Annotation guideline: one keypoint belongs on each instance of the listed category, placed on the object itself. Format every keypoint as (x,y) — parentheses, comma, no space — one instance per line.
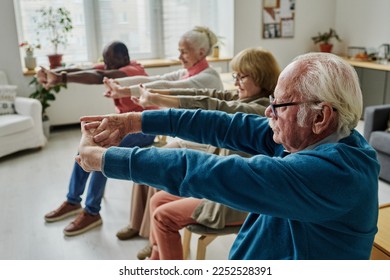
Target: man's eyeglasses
(239,77)
(274,106)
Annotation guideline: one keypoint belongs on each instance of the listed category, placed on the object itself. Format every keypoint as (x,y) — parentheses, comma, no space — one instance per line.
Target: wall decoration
(278,18)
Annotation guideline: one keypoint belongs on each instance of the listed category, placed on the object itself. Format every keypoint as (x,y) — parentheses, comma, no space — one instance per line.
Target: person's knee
(153,203)
(157,198)
(162,216)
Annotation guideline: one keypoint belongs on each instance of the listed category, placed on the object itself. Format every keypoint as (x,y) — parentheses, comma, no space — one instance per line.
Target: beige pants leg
(141,194)
(139,211)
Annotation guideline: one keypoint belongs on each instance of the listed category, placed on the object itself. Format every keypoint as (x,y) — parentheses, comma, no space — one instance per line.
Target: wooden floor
(34,182)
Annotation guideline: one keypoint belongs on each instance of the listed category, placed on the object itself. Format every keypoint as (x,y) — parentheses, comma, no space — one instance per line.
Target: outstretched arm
(93,76)
(209,127)
(151,98)
(49,78)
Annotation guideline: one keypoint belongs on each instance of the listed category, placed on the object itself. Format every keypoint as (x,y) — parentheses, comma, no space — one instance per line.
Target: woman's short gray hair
(328,78)
(201,37)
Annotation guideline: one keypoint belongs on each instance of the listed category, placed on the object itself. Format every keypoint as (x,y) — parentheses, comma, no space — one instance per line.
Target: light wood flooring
(34,182)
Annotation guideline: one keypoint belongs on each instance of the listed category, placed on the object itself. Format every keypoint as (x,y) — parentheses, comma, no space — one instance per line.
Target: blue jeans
(98,181)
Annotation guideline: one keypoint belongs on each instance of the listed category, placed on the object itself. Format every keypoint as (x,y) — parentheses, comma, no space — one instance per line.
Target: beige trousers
(139,211)
(141,194)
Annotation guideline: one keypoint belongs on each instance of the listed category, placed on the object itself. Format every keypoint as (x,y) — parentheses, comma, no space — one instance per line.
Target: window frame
(94,43)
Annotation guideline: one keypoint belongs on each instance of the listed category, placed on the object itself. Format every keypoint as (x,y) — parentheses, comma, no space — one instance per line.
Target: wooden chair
(207,235)
(381,247)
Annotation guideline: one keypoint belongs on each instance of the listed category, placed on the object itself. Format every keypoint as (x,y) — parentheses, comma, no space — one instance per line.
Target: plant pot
(30,62)
(55,60)
(326,47)
(46,128)
(216,52)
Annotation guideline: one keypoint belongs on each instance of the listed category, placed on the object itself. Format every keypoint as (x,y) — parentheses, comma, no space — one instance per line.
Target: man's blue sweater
(319,203)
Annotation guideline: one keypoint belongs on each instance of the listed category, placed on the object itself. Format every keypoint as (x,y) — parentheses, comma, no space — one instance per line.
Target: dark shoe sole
(87,228)
(64,216)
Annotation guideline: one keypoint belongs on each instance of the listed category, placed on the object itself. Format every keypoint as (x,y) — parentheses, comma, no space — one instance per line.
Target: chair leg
(186,243)
(203,241)
(160,141)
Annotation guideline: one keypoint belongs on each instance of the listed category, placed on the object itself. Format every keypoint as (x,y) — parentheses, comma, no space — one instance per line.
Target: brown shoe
(127,233)
(83,222)
(146,252)
(65,210)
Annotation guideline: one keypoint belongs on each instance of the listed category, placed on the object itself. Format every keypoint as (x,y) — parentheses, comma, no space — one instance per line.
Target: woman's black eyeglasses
(239,77)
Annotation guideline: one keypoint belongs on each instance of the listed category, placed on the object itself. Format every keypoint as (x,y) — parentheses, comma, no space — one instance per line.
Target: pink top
(197,68)
(125,104)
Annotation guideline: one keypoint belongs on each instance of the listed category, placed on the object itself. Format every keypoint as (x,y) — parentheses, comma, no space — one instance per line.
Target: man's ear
(324,119)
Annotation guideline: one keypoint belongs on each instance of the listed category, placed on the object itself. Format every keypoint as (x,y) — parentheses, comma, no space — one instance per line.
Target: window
(180,16)
(149,28)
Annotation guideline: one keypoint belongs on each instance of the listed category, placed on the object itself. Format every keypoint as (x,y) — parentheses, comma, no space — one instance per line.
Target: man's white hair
(329,78)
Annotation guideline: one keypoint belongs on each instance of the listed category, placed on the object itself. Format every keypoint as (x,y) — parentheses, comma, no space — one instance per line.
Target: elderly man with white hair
(311,187)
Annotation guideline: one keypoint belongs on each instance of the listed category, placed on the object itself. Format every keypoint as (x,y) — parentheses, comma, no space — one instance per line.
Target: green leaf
(43,95)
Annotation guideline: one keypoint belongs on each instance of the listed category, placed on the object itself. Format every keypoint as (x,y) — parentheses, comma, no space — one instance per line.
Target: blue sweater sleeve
(241,132)
(284,187)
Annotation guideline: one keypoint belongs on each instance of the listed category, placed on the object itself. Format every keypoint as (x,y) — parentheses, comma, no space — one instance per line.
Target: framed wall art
(278,18)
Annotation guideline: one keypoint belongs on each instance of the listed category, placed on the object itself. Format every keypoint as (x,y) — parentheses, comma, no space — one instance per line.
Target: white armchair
(22,130)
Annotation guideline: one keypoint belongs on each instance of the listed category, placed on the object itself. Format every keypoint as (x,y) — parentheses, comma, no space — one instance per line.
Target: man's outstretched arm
(49,78)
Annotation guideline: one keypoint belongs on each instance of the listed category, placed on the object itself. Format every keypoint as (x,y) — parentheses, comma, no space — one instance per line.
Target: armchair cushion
(375,119)
(380,141)
(22,130)
(376,123)
(14,123)
(388,125)
(7,99)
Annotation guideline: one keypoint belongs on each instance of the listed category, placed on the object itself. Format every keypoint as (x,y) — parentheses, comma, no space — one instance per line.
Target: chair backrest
(3,78)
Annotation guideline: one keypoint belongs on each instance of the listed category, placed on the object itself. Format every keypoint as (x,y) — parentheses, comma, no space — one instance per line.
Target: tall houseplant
(57,25)
(323,39)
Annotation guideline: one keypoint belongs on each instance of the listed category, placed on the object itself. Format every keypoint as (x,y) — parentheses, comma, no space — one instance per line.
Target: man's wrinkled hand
(109,130)
(90,154)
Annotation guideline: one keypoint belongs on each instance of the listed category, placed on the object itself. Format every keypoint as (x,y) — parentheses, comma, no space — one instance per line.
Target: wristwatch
(64,77)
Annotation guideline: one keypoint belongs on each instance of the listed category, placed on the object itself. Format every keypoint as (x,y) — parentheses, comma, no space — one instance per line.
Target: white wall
(358,22)
(363,22)
(311,16)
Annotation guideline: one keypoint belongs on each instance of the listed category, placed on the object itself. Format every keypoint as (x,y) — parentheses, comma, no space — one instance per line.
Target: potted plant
(45,96)
(216,47)
(324,40)
(29,58)
(57,25)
